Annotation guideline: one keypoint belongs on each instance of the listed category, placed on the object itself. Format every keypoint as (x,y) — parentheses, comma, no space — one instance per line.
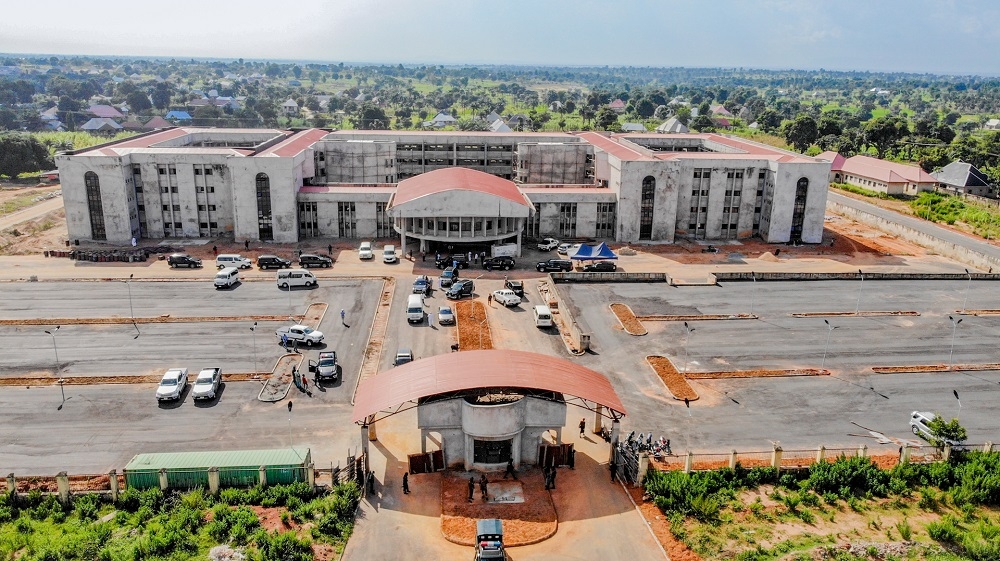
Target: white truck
(507,297)
(504,250)
(300,334)
(206,385)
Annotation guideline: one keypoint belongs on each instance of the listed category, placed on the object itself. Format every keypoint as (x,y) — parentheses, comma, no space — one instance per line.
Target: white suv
(365,251)
(920,425)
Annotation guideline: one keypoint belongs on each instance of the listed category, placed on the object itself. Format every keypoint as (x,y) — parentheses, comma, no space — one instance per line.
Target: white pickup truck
(300,333)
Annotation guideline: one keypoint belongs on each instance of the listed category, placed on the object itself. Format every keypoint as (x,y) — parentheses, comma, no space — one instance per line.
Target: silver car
(446,316)
(172,384)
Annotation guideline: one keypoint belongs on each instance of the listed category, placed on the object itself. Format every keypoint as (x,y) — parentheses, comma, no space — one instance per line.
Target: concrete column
(688,462)
(113,481)
(468,452)
(598,419)
(643,468)
(62,485)
(262,476)
(11,484)
(732,460)
(519,238)
(947,452)
(559,435)
(615,435)
(372,436)
(164,483)
(821,454)
(213,481)
(402,242)
(423,441)
(311,475)
(905,456)
(776,458)
(863,451)
(516,450)
(364,439)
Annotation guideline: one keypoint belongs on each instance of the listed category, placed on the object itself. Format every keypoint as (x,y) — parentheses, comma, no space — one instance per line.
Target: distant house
(618,106)
(963,177)
(54,125)
(442,120)
(556,106)
(50,114)
(290,107)
(178,116)
(723,123)
(157,123)
(105,111)
(499,126)
(101,124)
(891,178)
(672,125)
(294,83)
(992,125)
(132,125)
(519,122)
(634,127)
(492,117)
(745,115)
(720,111)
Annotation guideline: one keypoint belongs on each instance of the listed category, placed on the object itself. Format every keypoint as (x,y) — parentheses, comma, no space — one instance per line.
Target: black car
(272,262)
(462,260)
(554,265)
(448,277)
(503,262)
(516,286)
(183,260)
(311,260)
(601,267)
(461,289)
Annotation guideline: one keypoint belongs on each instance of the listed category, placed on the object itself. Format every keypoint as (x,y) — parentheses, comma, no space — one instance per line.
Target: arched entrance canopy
(401,388)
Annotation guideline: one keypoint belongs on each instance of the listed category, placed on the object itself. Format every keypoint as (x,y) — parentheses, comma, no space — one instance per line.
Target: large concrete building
(287,186)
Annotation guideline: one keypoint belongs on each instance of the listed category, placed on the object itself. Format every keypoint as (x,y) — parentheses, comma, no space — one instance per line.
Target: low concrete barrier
(609,277)
(721,277)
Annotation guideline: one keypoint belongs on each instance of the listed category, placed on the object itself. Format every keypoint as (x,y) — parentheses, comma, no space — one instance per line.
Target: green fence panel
(142,479)
(239,477)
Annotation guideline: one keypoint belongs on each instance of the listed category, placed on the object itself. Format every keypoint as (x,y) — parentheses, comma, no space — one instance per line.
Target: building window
(646,206)
(567,220)
(264,227)
(491,451)
(383,223)
(605,220)
(346,221)
(94,204)
(308,220)
(731,204)
(533,224)
(799,208)
(701,185)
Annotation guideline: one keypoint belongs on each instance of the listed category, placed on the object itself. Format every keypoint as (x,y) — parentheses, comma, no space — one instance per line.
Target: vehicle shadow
(207,403)
(177,402)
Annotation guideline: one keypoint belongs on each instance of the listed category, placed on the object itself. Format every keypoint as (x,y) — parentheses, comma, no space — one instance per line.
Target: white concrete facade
(191,182)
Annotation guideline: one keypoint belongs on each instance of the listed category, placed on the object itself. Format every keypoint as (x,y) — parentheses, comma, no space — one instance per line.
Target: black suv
(183,260)
(447,261)
(516,286)
(461,289)
(310,260)
(272,262)
(502,262)
(448,277)
(554,265)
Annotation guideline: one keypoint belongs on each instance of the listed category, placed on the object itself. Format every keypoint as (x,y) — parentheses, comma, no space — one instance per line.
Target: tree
(161,95)
(22,153)
(645,108)
(472,125)
(297,71)
(702,123)
(769,120)
(206,116)
(606,117)
(801,133)
(138,102)
(946,431)
(883,133)
(371,117)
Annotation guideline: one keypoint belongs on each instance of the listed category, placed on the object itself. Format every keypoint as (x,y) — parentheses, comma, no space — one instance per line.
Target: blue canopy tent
(594,253)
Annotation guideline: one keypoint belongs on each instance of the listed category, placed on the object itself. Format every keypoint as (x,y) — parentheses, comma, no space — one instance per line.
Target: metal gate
(626,462)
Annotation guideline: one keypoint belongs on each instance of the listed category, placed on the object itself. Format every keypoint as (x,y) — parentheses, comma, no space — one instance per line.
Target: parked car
(183,260)
(365,251)
(312,260)
(601,267)
(506,297)
(554,265)
(516,286)
(402,357)
(446,316)
(232,260)
(448,277)
(300,333)
(326,368)
(501,262)
(562,248)
(461,289)
(206,385)
(548,244)
(272,262)
(389,254)
(448,260)
(920,425)
(172,384)
(422,285)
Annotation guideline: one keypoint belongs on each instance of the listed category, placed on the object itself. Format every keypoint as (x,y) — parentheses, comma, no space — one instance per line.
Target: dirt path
(31,213)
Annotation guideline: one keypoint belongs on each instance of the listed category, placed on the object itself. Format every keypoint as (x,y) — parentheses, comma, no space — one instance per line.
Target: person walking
(612,466)
(371,482)
(343,315)
(246,245)
(329,249)
(572,458)
(583,426)
(545,477)
(406,483)
(489,299)
(295,345)
(284,341)
(430,320)
(472,487)
(483,482)
(215,250)
(510,470)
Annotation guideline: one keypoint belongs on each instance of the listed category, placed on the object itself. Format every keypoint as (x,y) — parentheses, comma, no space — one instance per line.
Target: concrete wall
(564,163)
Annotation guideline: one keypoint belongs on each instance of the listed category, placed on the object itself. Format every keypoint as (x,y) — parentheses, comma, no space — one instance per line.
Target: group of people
(550,477)
(483,487)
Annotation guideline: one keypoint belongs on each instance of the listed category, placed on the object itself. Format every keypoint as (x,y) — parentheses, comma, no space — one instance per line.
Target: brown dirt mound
(524,523)
(627,318)
(673,379)
(52,380)
(756,373)
(473,329)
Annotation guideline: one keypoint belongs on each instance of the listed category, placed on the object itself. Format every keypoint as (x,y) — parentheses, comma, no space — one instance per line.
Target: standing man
(215,250)
(552,477)
(482,487)
(246,245)
(545,476)
(430,320)
(406,483)
(371,482)
(295,345)
(489,299)
(468,257)
(572,458)
(472,487)
(343,314)
(284,341)
(583,426)
(329,249)
(510,470)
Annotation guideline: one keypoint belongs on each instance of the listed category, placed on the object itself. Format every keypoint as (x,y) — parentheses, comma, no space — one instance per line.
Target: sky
(933,36)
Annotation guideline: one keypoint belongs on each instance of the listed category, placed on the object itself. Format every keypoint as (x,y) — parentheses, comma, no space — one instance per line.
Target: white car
(300,333)
(365,251)
(446,316)
(548,244)
(206,385)
(506,297)
(920,425)
(562,248)
(172,384)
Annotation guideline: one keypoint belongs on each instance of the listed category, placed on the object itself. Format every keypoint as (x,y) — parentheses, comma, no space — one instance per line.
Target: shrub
(233,496)
(87,506)
(806,516)
(849,476)
(809,499)
(905,531)
(831,498)
(788,481)
(23,525)
(928,499)
(760,476)
(756,507)
(283,547)
(944,530)
(791,501)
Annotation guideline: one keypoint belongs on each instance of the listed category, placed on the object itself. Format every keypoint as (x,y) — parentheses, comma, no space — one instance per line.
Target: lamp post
(857,307)
(959,403)
(753,293)
(54,347)
(253,331)
(965,303)
(687,337)
(954,330)
(829,332)
(128,283)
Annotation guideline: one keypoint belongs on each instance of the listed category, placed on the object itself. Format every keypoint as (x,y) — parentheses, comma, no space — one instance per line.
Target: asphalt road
(799,412)
(923,226)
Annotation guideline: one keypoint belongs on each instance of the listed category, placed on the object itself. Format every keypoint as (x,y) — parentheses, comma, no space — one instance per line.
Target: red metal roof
(469,370)
(888,172)
(295,143)
(457,179)
(613,147)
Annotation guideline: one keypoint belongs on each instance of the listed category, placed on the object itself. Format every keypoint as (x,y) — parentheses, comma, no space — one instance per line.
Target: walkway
(30,213)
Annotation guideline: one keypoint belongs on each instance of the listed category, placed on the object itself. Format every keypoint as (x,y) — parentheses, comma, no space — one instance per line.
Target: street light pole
(253,331)
(857,308)
(128,283)
(967,287)
(687,339)
(54,347)
(954,330)
(753,294)
(829,332)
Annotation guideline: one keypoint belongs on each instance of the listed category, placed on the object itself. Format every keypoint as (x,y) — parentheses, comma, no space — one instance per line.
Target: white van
(232,260)
(295,277)
(389,254)
(414,308)
(227,277)
(365,251)
(543,316)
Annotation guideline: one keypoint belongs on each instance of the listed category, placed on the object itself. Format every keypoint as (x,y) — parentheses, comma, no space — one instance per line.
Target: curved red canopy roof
(468,370)
(451,179)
